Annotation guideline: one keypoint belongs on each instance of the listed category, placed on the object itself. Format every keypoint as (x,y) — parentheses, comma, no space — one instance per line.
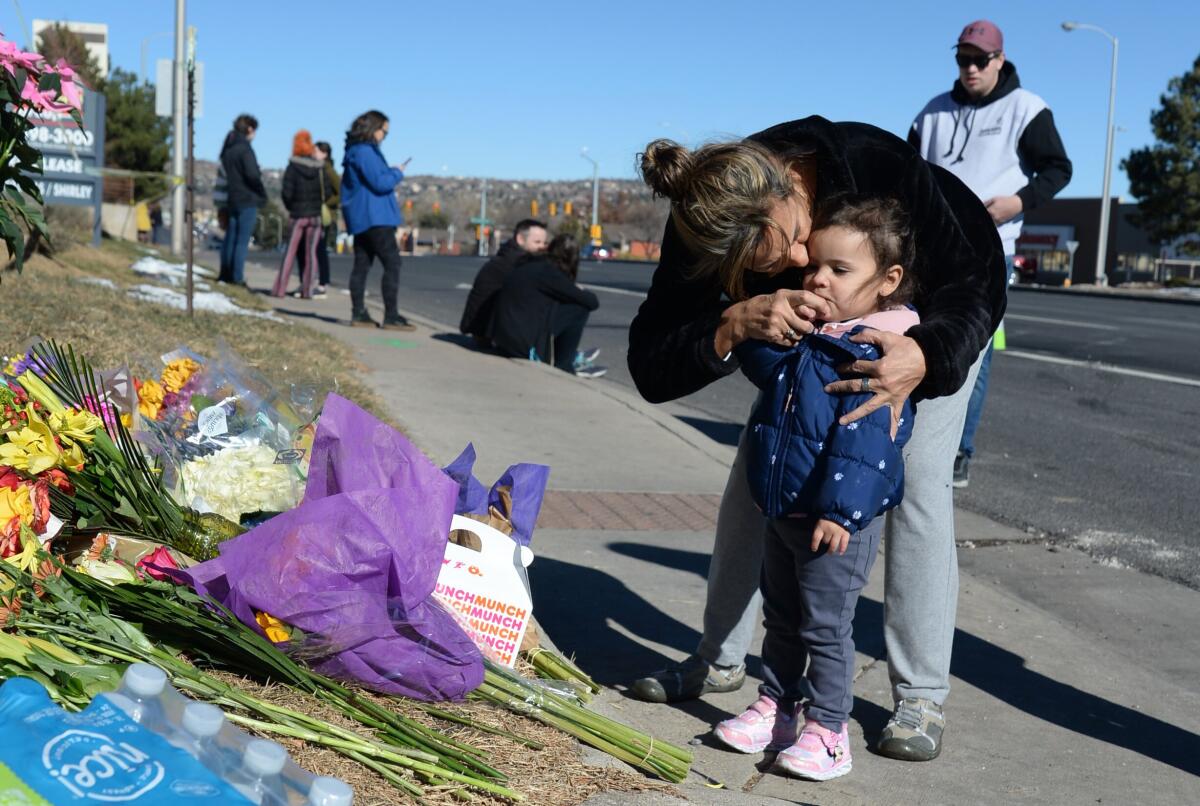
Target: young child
(823,487)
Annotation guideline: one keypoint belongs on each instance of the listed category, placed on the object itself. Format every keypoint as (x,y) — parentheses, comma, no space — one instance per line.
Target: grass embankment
(62,298)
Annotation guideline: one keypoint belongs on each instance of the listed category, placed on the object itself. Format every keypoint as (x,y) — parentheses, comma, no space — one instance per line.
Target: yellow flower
(16,503)
(275,629)
(178,373)
(29,556)
(32,448)
(150,398)
(75,426)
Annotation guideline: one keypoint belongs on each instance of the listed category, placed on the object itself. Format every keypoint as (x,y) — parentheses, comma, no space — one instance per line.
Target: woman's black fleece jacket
(961,276)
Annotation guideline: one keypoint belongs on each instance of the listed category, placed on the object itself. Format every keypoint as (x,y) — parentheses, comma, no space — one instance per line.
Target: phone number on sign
(59,136)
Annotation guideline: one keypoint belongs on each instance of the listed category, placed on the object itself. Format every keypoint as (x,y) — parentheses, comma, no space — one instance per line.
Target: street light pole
(1102,246)
(179,146)
(595,196)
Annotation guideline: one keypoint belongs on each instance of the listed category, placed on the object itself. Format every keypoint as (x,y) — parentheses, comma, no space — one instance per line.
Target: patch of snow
(173,273)
(210,301)
(103,282)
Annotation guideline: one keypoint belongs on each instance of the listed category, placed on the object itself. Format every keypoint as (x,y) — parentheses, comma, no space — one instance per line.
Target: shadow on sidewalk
(716,430)
(575,604)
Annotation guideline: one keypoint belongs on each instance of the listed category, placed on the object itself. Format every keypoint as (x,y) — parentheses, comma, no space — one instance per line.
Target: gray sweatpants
(921,582)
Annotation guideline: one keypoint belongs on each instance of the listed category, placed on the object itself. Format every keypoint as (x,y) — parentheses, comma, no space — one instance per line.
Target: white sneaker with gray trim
(914,733)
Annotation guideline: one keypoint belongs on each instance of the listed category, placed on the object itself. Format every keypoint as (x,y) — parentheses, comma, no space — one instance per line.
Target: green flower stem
(447,716)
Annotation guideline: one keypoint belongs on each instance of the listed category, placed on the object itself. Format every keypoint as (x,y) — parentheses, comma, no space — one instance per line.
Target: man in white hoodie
(1000,140)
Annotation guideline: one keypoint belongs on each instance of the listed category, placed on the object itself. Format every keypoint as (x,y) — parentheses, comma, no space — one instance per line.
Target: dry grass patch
(61,298)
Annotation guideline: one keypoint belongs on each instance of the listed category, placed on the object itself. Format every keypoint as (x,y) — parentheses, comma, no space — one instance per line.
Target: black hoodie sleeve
(1042,150)
(914,137)
(672,349)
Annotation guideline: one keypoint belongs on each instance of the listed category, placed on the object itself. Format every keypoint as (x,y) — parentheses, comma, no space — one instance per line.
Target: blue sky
(514,90)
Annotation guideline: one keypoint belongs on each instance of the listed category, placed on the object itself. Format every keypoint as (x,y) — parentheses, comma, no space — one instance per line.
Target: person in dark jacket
(244,194)
(540,312)
(372,216)
(329,216)
(529,237)
(1000,140)
(741,215)
(305,187)
(823,486)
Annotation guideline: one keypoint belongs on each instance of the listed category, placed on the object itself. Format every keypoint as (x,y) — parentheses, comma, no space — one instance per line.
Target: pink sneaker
(759,727)
(818,755)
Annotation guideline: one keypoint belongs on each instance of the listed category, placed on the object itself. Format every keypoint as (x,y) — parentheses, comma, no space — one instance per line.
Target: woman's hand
(833,534)
(781,318)
(892,378)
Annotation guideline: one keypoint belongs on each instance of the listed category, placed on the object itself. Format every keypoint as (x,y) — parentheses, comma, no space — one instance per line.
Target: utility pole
(191,167)
(179,146)
(595,231)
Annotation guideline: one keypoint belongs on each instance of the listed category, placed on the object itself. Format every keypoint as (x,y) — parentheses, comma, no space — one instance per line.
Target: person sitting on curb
(540,312)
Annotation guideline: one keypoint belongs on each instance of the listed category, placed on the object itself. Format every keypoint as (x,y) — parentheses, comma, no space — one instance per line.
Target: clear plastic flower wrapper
(227,440)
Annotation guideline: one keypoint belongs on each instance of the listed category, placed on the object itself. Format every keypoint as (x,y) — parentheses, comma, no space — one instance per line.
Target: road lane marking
(624,291)
(464,286)
(1102,367)
(1027,318)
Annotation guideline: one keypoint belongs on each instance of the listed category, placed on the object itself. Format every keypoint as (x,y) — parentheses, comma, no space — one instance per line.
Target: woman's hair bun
(666,167)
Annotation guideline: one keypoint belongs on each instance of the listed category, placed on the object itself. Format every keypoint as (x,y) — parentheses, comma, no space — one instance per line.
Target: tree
(59,42)
(1165,177)
(433,220)
(136,138)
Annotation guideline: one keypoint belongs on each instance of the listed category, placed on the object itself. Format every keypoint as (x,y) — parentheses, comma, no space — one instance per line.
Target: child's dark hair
(886,224)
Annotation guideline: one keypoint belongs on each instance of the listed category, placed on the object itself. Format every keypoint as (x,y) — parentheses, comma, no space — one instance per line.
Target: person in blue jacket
(372,216)
(823,485)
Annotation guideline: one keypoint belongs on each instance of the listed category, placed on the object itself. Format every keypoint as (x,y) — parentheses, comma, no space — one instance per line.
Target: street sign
(477,220)
(1072,246)
(71,156)
(164,88)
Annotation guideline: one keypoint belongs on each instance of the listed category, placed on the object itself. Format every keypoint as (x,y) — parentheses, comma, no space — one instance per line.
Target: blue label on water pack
(98,755)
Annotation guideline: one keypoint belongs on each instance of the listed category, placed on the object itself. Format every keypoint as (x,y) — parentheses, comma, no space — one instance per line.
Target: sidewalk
(1073,682)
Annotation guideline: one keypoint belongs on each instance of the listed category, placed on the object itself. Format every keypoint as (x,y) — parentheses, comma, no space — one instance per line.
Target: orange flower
(276,630)
(47,568)
(10,609)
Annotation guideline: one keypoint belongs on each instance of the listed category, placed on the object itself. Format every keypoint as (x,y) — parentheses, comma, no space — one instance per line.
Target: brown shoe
(362,319)
(397,322)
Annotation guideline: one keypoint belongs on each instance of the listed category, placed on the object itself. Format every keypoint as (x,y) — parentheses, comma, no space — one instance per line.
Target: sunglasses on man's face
(980,61)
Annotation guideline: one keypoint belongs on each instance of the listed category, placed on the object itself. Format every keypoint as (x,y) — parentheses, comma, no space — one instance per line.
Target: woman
(741,214)
(305,186)
(540,312)
(329,216)
(244,194)
(372,216)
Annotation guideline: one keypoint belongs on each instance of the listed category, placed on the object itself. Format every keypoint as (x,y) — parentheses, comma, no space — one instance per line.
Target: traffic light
(553,209)
(437,207)
(567,208)
(408,205)
(596,234)
(533,208)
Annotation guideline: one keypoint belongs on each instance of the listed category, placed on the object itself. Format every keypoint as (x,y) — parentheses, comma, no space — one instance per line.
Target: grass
(59,298)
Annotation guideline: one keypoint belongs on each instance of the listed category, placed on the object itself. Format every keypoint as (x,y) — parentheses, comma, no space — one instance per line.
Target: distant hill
(628,211)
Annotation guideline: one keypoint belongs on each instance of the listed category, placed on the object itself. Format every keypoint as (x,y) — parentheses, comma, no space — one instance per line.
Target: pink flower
(152,562)
(70,84)
(43,100)
(12,57)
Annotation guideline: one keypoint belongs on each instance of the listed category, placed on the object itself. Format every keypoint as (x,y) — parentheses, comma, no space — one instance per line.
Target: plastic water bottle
(327,791)
(140,697)
(260,779)
(201,724)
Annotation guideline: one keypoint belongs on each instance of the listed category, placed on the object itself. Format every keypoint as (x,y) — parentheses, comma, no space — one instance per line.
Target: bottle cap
(263,757)
(202,720)
(145,680)
(327,791)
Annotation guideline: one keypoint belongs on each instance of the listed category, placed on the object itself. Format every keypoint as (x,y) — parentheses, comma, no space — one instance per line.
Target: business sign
(72,156)
(1044,238)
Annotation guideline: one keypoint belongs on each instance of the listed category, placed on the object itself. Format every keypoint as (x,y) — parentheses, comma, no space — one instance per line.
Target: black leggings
(376,242)
(566,331)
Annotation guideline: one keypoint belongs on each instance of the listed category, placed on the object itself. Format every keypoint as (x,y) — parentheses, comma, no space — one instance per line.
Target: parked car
(1024,269)
(593,252)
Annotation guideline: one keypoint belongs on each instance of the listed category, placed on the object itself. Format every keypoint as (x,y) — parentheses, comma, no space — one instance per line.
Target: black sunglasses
(980,61)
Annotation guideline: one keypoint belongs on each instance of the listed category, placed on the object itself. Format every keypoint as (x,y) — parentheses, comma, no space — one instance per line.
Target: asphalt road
(1105,455)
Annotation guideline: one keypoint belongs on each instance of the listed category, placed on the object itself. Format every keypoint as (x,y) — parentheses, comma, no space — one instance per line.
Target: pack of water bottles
(145,743)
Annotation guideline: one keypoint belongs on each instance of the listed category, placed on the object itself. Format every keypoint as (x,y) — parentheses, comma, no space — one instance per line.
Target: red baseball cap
(983,35)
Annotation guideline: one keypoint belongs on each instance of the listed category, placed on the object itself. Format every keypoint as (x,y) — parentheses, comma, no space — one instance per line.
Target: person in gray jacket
(1000,140)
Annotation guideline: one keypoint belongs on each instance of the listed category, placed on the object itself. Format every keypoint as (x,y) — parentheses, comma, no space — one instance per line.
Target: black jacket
(526,303)
(243,179)
(960,271)
(481,302)
(305,187)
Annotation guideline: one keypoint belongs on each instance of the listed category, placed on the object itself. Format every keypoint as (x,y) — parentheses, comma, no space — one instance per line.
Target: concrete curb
(1145,296)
